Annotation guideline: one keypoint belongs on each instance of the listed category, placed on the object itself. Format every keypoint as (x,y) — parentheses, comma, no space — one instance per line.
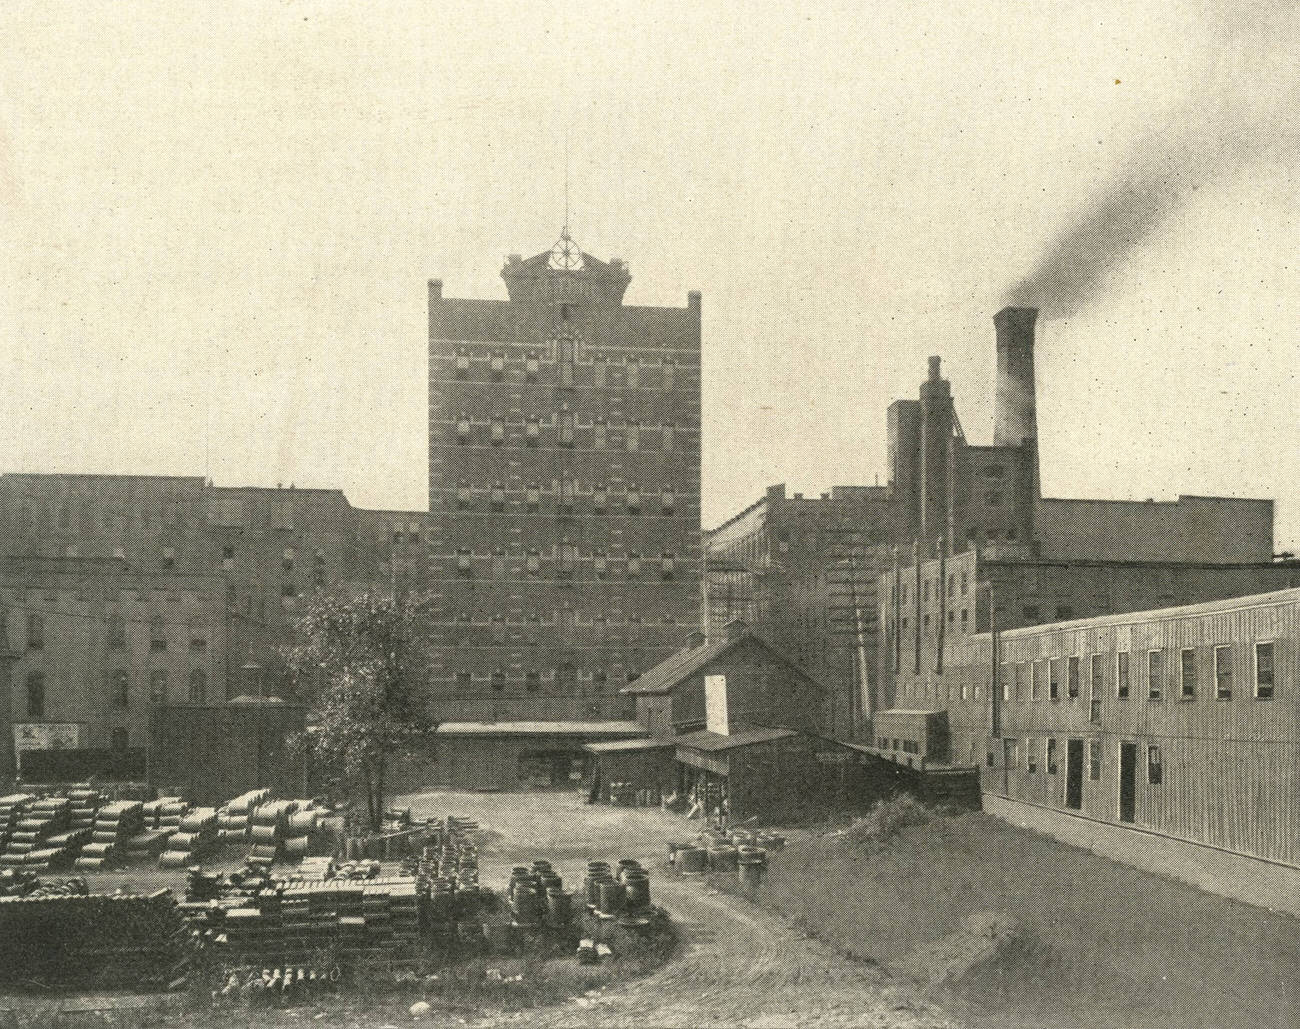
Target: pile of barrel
(43,837)
(12,808)
(233,817)
(742,853)
(196,835)
(113,828)
(537,897)
(621,894)
(449,864)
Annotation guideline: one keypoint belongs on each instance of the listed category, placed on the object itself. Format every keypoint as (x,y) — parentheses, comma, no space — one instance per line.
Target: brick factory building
(94,561)
(564,491)
(807,571)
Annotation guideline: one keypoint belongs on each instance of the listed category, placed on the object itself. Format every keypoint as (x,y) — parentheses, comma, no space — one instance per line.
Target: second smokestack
(1015,421)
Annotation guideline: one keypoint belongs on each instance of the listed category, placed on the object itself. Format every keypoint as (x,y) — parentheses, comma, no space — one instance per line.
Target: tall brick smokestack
(1015,419)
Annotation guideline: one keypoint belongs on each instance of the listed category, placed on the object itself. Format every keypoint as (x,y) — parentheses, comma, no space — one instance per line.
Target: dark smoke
(1242,117)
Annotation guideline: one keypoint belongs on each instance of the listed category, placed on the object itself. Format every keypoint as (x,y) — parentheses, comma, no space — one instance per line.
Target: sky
(218,222)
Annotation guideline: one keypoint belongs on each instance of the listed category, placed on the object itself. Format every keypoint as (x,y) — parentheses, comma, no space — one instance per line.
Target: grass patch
(1094,942)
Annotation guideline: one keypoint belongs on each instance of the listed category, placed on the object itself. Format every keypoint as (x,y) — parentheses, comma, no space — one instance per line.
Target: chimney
(435,289)
(1014,419)
(935,361)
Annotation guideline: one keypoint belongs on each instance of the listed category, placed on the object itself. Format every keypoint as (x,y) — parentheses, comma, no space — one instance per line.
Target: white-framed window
(1121,675)
(1155,673)
(1264,670)
(1155,770)
(1223,674)
(633,435)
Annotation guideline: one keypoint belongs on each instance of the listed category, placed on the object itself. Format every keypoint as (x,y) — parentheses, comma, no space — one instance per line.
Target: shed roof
(540,729)
(618,746)
(714,741)
(678,667)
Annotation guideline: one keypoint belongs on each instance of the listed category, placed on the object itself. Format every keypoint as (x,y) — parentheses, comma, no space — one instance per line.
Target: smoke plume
(1243,115)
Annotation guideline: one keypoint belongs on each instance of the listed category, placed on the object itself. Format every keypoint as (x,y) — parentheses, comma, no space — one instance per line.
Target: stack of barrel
(537,897)
(114,825)
(85,801)
(300,828)
(30,841)
(266,830)
(233,818)
(12,808)
(622,894)
(196,836)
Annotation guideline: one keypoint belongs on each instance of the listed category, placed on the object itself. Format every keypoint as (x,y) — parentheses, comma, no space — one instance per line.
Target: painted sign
(47,736)
(715,704)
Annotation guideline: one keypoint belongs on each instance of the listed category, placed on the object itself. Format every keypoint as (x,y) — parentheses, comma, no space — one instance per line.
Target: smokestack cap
(935,361)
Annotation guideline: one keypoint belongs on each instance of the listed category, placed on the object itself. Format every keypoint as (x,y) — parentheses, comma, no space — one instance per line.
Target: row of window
(630,500)
(1050,753)
(565,426)
(564,358)
(1156,675)
(117,636)
(120,689)
(566,677)
(566,563)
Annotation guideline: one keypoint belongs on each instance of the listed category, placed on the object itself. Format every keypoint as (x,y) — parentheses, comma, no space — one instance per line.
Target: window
(464,498)
(1098,684)
(499,497)
(1072,678)
(1121,675)
(567,554)
(566,429)
(599,498)
(633,372)
(534,564)
(964,614)
(667,564)
(1007,673)
(462,429)
(287,563)
(598,370)
(1154,774)
(533,682)
(159,688)
(1094,760)
(169,557)
(498,430)
(1035,680)
(463,563)
(463,679)
(1223,673)
(198,637)
(669,377)
(1031,757)
(1051,757)
(669,439)
(633,435)
(1064,612)
(498,565)
(666,501)
(1153,674)
(35,631)
(462,364)
(965,583)
(532,496)
(1030,612)
(117,633)
(599,434)
(530,367)
(566,494)
(498,632)
(533,630)
(1263,671)
(198,692)
(157,634)
(498,366)
(600,564)
(227,559)
(532,430)
(35,694)
(119,739)
(564,358)
(633,499)
(633,565)
(498,680)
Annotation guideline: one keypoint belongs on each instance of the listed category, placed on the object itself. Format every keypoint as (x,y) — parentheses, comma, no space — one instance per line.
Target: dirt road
(738,965)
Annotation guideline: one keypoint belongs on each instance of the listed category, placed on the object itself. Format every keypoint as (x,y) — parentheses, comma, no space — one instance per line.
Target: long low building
(1182,722)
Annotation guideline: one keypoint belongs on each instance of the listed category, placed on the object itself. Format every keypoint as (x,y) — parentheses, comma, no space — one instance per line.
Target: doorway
(1074,774)
(1127,782)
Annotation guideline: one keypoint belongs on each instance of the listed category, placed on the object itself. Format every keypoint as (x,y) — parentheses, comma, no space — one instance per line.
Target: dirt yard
(738,964)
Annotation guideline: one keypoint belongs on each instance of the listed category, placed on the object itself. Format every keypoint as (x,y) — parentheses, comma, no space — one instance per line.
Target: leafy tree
(356,661)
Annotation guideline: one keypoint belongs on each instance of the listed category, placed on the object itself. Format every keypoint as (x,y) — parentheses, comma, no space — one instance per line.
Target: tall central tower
(564,488)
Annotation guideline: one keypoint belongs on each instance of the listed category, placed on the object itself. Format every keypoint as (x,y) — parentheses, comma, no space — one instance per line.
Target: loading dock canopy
(713,741)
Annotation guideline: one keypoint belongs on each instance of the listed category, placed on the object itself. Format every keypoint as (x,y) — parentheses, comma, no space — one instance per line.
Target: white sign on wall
(715,704)
(46,736)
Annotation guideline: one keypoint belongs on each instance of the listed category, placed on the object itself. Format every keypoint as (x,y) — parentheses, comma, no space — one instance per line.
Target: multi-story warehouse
(93,645)
(1181,722)
(564,490)
(255,551)
(802,570)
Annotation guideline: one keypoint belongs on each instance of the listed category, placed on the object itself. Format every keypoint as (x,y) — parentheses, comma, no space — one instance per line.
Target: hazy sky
(218,221)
